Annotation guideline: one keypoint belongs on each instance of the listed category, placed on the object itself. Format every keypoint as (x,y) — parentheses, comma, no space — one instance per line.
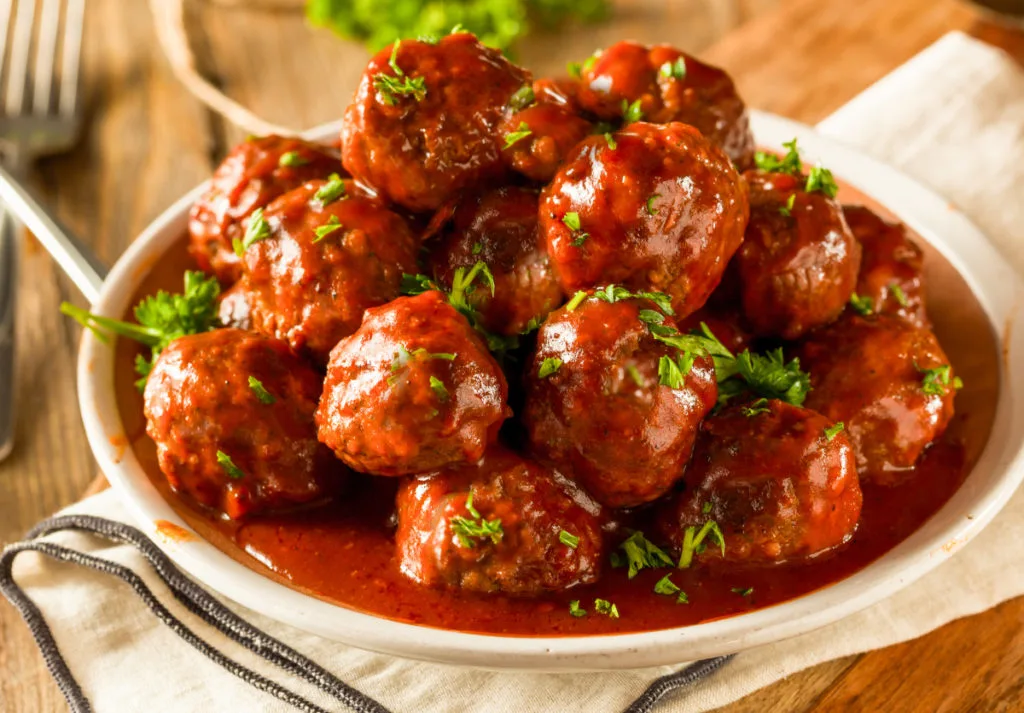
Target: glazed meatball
(508,538)
(326,257)
(538,135)
(233,309)
(889,382)
(231,413)
(422,143)
(255,172)
(500,228)
(669,86)
(779,480)
(891,269)
(663,210)
(798,263)
(413,390)
(598,408)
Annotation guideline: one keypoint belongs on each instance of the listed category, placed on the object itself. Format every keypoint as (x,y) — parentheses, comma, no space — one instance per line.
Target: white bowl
(991,483)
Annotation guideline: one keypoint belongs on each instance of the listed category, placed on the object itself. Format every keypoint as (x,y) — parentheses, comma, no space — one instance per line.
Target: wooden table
(147,141)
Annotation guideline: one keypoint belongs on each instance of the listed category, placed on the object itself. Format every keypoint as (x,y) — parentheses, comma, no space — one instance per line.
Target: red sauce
(344,552)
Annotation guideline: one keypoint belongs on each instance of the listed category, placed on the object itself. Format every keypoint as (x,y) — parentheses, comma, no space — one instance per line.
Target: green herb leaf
(861,305)
(322,231)
(898,293)
(610,140)
(522,98)
(634,374)
(603,606)
(257,230)
(651,210)
(936,381)
(439,389)
(548,367)
(568,539)
(577,298)
(575,70)
(790,163)
(833,430)
(821,180)
(575,609)
(390,88)
(225,462)
(631,113)
(693,541)
(674,70)
(264,396)
(522,133)
(767,375)
(671,373)
(743,591)
(758,407)
(292,158)
(787,210)
(330,191)
(468,530)
(572,222)
(417,284)
(477,248)
(665,585)
(641,553)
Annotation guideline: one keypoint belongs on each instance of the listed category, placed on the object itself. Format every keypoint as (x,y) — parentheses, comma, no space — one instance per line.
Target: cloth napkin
(959,103)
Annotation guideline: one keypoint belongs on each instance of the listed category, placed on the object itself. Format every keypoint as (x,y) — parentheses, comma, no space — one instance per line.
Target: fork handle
(76,259)
(8,273)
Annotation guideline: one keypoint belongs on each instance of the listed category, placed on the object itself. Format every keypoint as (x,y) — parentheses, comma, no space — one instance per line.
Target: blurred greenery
(498,23)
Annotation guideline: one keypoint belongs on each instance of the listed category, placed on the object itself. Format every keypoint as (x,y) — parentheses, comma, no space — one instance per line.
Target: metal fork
(40,50)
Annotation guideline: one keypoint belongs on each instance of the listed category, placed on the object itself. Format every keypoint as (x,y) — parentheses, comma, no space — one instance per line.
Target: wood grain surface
(146,141)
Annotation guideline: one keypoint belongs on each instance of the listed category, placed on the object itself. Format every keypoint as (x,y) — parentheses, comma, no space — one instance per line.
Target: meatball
(231,413)
(610,404)
(326,255)
(780,481)
(233,309)
(499,227)
(891,269)
(797,267)
(508,538)
(538,136)
(423,124)
(889,382)
(255,172)
(413,390)
(663,210)
(670,86)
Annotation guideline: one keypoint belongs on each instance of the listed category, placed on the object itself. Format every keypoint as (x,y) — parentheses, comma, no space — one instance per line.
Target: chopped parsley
(522,98)
(519,135)
(862,305)
(651,210)
(674,70)
(404,355)
(603,606)
(292,158)
(634,374)
(821,180)
(575,70)
(417,284)
(767,375)
(477,248)
(264,396)
(787,210)
(669,588)
(576,300)
(548,367)
(572,222)
(936,381)
(322,231)
(833,430)
(257,230)
(161,318)
(462,287)
(639,553)
(631,112)
(575,609)
(758,407)
(790,163)
(475,527)
(694,544)
(331,191)
(439,389)
(743,591)
(610,140)
(225,462)
(390,88)
(898,294)
(568,539)
(672,372)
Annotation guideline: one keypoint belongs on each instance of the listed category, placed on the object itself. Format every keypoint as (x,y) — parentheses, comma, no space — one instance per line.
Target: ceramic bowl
(988,487)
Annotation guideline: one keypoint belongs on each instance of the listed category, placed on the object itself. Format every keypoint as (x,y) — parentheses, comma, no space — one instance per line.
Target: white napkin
(959,103)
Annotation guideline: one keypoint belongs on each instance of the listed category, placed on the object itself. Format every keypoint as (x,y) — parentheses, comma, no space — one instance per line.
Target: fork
(40,116)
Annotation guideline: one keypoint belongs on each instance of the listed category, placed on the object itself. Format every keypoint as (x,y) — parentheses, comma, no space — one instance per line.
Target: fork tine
(74,19)
(17,74)
(46,51)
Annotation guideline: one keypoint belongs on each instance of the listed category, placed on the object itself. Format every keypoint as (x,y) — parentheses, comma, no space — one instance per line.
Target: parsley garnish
(576,300)
(322,231)
(390,87)
(651,210)
(634,374)
(693,541)
(669,588)
(861,305)
(674,70)
(767,375)
(820,179)
(417,284)
(575,609)
(937,380)
(225,462)
(264,396)
(833,430)
(610,140)
(462,286)
(898,294)
(161,318)
(787,210)
(575,70)
(640,553)
(743,591)
(522,98)
(477,248)
(631,112)
(292,158)
(758,407)
(671,373)
(790,163)
(519,135)
(330,191)
(568,539)
(548,367)
(572,222)
(403,355)
(603,606)
(257,230)
(439,389)
(467,529)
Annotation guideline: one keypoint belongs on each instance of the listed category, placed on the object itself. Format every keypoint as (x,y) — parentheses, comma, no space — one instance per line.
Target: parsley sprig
(694,541)
(937,380)
(391,87)
(519,134)
(469,529)
(637,552)
(818,178)
(161,318)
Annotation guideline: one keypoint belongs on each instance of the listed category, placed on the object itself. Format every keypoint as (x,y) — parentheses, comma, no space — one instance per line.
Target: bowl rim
(996,285)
